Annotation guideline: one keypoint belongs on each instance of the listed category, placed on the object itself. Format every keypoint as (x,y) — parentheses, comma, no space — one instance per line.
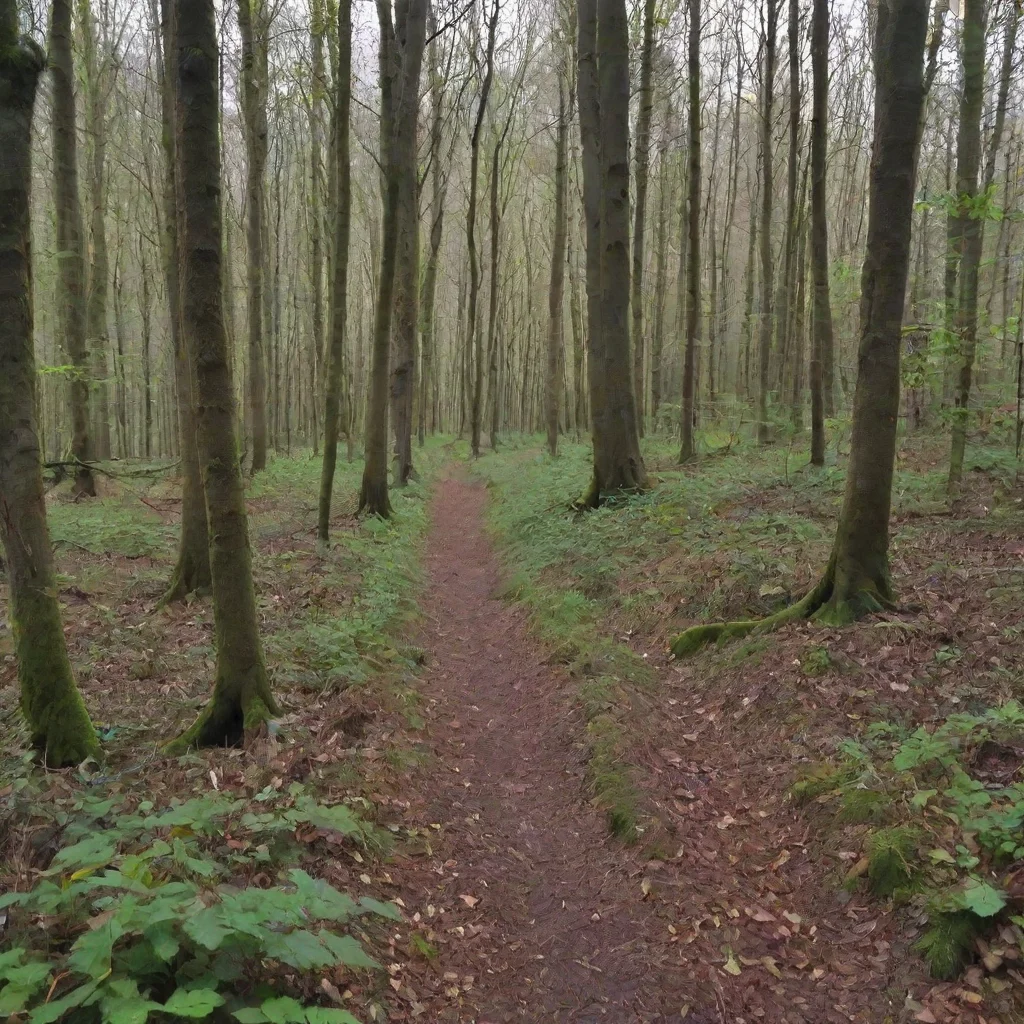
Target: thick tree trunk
(687,448)
(556,292)
(604,128)
(339,285)
(70,240)
(766,313)
(241,701)
(643,161)
(253,26)
(821,331)
(856,580)
(59,726)
(192,569)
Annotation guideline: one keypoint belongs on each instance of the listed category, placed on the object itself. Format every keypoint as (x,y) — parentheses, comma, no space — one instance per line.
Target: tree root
(225,722)
(827,604)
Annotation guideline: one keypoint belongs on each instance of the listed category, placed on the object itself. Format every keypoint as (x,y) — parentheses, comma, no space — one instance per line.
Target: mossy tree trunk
(253,24)
(856,580)
(70,239)
(241,700)
(339,287)
(603,90)
(58,723)
(192,568)
(821,330)
(687,449)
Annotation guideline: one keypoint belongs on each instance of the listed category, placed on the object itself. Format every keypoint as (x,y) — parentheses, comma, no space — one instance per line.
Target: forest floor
(576,827)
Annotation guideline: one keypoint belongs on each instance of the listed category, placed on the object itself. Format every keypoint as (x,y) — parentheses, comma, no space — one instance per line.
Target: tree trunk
(241,701)
(253,26)
(553,378)
(70,240)
(58,723)
(687,448)
(339,286)
(660,271)
(821,317)
(603,56)
(474,346)
(643,160)
(192,569)
(766,330)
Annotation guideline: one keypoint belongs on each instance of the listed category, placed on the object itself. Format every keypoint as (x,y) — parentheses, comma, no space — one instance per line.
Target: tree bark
(643,161)
(70,240)
(339,285)
(241,701)
(58,723)
(687,448)
(253,26)
(556,292)
(821,331)
(603,57)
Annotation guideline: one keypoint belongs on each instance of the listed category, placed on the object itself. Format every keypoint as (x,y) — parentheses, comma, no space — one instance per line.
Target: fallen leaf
(470,901)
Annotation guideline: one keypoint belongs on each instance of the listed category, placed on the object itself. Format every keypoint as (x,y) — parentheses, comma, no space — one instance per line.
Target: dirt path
(561,931)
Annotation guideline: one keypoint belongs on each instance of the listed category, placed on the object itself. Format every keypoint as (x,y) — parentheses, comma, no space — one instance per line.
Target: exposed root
(226,722)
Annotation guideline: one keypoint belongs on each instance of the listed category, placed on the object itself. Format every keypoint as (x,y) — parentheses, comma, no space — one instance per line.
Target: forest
(511,511)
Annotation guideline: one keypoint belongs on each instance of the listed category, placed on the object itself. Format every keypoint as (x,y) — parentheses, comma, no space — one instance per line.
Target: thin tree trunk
(70,240)
(687,448)
(242,702)
(339,286)
(58,723)
(643,160)
(553,378)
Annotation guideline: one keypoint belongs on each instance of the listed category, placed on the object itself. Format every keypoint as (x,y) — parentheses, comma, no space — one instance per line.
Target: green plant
(891,859)
(149,912)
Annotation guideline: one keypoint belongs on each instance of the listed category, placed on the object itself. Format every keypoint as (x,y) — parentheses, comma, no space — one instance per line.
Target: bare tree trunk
(242,702)
(553,378)
(660,270)
(821,338)
(643,161)
(687,448)
(339,286)
(70,239)
(603,56)
(58,723)
(253,26)
(766,313)
(968,163)
(474,347)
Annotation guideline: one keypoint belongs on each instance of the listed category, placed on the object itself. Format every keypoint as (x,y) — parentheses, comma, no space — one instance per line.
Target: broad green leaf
(14,999)
(90,955)
(284,1010)
(250,1015)
(127,1010)
(347,950)
(196,1002)
(206,928)
(369,905)
(95,851)
(983,899)
(161,937)
(321,900)
(328,1015)
(11,958)
(300,949)
(55,1010)
(941,857)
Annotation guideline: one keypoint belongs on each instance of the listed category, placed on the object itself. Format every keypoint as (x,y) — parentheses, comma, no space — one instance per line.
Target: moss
(858,806)
(948,943)
(890,852)
(614,791)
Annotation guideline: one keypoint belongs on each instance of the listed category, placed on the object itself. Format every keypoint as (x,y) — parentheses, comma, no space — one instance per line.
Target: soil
(554,923)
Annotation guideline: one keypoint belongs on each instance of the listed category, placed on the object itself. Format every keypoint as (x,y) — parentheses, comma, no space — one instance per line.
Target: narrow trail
(561,932)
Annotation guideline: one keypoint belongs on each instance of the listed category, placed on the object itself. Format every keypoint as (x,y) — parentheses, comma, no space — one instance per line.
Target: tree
(687,449)
(856,580)
(821,329)
(70,239)
(556,290)
(402,42)
(766,328)
(241,701)
(339,288)
(254,25)
(603,89)
(475,346)
(643,163)
(192,568)
(58,723)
